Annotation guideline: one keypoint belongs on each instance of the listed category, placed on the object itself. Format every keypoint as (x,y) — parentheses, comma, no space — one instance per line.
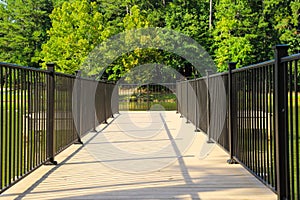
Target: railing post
(187,101)
(95,114)
(148,96)
(117,98)
(50,115)
(231,114)
(196,105)
(176,92)
(281,117)
(78,107)
(95,122)
(105,103)
(208,72)
(181,99)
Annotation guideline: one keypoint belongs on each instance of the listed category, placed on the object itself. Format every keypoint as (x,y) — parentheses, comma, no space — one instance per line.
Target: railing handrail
(65,75)
(4,64)
(249,67)
(291,58)
(254,66)
(218,74)
(15,66)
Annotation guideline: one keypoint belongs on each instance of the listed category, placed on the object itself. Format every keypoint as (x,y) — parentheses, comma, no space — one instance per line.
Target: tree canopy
(34,32)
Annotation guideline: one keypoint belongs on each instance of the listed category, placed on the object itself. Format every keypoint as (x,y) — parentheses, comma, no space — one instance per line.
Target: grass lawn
(143,101)
(142,106)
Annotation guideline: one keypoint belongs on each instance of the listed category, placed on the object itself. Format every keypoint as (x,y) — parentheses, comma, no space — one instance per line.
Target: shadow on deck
(142,155)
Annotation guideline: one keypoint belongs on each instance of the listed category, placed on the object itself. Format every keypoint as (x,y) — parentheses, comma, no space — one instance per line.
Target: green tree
(189,18)
(77,28)
(288,25)
(23,27)
(243,31)
(134,19)
(192,19)
(234,33)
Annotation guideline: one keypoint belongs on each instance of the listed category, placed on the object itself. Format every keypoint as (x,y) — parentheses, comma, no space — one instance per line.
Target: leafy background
(34,32)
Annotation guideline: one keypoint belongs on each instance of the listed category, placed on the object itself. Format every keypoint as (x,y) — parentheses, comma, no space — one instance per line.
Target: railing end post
(78,106)
(208,73)
(281,123)
(232,66)
(51,66)
(51,114)
(78,73)
(281,47)
(51,161)
(231,110)
(232,161)
(209,141)
(78,141)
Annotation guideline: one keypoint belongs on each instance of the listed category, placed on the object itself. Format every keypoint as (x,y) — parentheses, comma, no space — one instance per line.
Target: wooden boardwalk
(141,155)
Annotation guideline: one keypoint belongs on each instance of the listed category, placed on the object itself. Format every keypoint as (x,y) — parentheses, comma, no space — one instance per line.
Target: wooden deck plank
(98,171)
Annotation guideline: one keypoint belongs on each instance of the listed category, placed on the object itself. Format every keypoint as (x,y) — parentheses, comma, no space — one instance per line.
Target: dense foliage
(34,32)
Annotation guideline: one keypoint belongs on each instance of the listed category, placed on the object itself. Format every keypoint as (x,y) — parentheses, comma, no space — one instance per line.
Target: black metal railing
(42,113)
(261,129)
(291,64)
(198,99)
(253,122)
(64,126)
